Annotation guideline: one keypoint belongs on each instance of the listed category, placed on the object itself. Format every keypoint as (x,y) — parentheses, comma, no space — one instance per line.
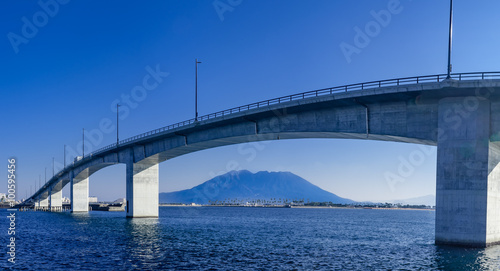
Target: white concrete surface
(467,196)
(142,189)
(79,192)
(55,197)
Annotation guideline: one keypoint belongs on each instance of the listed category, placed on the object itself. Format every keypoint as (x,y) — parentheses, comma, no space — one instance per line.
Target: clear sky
(65,64)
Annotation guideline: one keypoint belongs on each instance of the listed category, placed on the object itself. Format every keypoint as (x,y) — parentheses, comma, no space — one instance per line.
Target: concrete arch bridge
(460,115)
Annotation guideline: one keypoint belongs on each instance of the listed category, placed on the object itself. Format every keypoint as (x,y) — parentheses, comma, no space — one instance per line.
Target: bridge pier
(55,197)
(142,189)
(468,175)
(79,192)
(43,204)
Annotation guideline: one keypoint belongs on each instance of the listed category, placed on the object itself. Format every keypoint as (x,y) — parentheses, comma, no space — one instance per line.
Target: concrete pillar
(79,192)
(43,204)
(55,197)
(142,189)
(468,175)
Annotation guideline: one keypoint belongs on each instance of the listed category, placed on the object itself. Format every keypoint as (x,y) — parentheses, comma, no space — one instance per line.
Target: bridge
(460,115)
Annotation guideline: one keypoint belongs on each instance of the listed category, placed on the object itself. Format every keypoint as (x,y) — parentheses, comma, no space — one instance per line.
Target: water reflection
(241,239)
(458,258)
(144,241)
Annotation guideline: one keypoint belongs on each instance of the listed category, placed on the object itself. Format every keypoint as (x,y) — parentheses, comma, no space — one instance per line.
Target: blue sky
(68,70)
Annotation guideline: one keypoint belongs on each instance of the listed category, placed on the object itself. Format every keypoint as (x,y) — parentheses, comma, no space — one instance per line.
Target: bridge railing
(309,94)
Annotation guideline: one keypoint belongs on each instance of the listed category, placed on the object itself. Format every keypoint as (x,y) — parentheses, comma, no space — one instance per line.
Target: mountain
(245,185)
(429,200)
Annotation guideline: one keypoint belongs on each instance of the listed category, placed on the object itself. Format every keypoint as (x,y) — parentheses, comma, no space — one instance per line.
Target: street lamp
(449,40)
(64,155)
(83,144)
(117,139)
(196,90)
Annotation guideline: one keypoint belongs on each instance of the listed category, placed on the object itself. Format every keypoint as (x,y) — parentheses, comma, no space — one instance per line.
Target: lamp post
(64,155)
(117,120)
(449,40)
(196,90)
(83,144)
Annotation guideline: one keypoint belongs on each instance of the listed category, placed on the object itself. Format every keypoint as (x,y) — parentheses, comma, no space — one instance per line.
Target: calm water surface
(218,238)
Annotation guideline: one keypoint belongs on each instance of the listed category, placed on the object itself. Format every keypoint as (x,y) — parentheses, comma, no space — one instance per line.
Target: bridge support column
(79,193)
(43,204)
(55,198)
(142,189)
(468,175)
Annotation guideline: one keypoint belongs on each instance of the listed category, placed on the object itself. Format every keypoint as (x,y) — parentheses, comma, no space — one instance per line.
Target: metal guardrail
(294,97)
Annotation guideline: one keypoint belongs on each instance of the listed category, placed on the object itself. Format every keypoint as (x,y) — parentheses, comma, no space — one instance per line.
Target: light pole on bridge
(64,155)
(117,120)
(196,90)
(83,143)
(449,40)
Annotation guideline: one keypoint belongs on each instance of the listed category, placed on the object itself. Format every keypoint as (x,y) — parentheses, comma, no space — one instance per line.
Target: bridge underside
(194,147)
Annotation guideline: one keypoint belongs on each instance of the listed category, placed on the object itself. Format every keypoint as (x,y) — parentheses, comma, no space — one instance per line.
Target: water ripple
(240,239)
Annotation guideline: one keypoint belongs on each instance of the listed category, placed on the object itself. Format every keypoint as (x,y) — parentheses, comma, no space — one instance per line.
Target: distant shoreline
(297,207)
(369,208)
(286,207)
(178,205)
